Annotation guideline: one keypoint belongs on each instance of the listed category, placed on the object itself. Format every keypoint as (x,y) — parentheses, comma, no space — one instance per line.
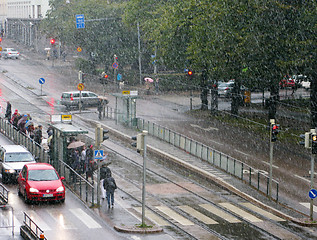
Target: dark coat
(109,184)
(105,172)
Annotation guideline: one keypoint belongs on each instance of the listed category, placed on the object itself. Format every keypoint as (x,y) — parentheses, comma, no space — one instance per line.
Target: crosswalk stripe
(153,217)
(38,220)
(307,205)
(262,212)
(174,215)
(240,212)
(60,218)
(201,217)
(220,213)
(85,218)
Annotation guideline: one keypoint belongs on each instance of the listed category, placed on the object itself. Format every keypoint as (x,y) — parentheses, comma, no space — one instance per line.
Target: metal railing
(4,194)
(242,171)
(20,138)
(77,183)
(32,227)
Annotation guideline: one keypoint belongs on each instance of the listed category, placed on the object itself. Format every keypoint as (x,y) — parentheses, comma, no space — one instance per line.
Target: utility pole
(273,137)
(139,46)
(144,133)
(98,143)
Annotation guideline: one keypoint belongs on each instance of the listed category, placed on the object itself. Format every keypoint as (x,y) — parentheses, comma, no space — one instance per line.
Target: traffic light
(0,39)
(104,134)
(139,142)
(306,138)
(104,78)
(274,132)
(314,143)
(52,41)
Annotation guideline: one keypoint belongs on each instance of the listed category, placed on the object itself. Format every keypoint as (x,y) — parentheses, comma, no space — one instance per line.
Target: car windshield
(19,157)
(42,175)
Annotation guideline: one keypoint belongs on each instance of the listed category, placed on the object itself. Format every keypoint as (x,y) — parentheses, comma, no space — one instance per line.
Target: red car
(287,82)
(40,182)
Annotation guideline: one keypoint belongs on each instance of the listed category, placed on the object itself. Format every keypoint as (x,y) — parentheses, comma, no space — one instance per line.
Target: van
(87,98)
(12,160)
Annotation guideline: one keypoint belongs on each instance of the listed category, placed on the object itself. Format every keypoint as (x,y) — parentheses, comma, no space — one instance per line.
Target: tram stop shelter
(126,107)
(63,133)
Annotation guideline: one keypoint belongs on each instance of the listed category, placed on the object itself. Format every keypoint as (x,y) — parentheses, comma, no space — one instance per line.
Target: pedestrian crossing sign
(98,154)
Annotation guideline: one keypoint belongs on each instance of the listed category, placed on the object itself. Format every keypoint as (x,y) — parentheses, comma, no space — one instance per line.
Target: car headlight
(33,190)
(9,171)
(60,189)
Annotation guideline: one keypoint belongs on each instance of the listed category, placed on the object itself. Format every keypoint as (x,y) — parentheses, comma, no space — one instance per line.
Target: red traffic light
(190,73)
(275,127)
(0,39)
(52,41)
(105,76)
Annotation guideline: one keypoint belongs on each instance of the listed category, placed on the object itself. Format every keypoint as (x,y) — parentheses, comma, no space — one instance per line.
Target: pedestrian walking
(100,108)
(110,185)
(105,172)
(8,111)
(21,123)
(89,161)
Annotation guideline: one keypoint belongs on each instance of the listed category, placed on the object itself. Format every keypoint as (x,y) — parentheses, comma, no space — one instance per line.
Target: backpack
(110,183)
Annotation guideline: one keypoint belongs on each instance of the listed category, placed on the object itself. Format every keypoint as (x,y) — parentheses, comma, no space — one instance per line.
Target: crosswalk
(210,214)
(61,221)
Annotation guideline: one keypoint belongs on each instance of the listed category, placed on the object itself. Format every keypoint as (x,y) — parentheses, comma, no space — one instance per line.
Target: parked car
(302,81)
(72,98)
(40,182)
(287,82)
(225,89)
(10,53)
(12,159)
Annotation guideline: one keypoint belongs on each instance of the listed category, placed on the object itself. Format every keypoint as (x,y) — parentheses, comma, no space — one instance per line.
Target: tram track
(264,232)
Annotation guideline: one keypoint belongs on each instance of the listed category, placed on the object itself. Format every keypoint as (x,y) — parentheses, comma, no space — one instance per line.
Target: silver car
(87,98)
(10,53)
(12,160)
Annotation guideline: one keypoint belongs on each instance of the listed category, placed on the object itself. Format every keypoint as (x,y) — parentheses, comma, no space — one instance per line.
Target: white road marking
(153,217)
(220,213)
(199,216)
(38,220)
(242,153)
(307,205)
(174,215)
(305,179)
(85,218)
(267,163)
(205,129)
(60,219)
(241,212)
(262,212)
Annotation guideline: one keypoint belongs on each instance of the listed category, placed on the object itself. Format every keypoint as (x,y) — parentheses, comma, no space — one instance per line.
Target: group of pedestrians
(24,123)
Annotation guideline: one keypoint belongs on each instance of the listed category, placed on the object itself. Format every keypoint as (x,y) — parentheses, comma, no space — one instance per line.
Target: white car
(10,53)
(12,160)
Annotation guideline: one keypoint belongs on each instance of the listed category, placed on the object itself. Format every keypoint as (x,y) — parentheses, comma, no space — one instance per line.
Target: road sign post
(41,81)
(80,21)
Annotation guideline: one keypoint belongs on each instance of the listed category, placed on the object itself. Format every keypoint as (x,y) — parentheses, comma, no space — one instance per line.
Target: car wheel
(62,201)
(26,200)
(4,178)
(19,192)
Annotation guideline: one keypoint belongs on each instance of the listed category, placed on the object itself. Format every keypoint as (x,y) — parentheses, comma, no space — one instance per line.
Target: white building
(23,9)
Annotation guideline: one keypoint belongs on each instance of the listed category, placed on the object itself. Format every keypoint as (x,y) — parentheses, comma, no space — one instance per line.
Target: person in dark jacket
(8,111)
(38,134)
(110,185)
(105,172)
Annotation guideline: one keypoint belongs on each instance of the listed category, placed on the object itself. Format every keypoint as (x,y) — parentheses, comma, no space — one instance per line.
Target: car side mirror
(62,178)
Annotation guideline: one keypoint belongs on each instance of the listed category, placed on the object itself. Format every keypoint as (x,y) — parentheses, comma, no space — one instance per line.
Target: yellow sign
(79,49)
(247,96)
(66,118)
(126,92)
(80,86)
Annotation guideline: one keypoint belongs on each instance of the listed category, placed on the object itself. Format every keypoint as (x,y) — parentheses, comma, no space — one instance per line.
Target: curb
(136,229)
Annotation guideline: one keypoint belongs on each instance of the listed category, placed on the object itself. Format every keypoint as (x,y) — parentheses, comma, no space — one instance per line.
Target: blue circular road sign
(313,193)
(41,80)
